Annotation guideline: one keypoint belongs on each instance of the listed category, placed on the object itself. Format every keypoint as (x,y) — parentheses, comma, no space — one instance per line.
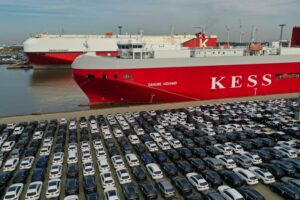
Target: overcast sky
(20,18)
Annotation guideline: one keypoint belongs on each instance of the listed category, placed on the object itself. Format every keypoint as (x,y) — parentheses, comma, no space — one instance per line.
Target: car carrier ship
(148,73)
(59,51)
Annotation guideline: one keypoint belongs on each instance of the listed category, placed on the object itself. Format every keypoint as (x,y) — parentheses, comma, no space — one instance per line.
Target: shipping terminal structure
(145,72)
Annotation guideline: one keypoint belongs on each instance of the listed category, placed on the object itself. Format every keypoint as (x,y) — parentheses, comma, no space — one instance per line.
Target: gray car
(165,187)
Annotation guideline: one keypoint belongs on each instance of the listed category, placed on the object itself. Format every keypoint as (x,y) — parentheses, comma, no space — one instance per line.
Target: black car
(173,154)
(42,162)
(275,153)
(21,176)
(212,177)
(250,193)
(294,162)
(185,152)
(197,164)
(184,166)
(268,142)
(38,174)
(31,151)
(241,135)
(4,178)
(92,196)
(263,154)
(211,151)
(231,136)
(72,171)
(130,192)
(178,135)
(286,166)
(112,151)
(273,169)
(221,138)
(210,140)
(231,178)
(193,196)
(159,156)
(199,152)
(169,168)
(256,143)
(285,190)
(187,142)
(251,134)
(89,184)
(140,148)
(71,186)
(199,141)
(139,173)
(148,190)
(182,185)
(213,196)
(247,145)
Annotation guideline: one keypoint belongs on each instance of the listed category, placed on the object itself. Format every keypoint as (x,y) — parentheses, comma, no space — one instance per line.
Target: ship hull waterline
(175,84)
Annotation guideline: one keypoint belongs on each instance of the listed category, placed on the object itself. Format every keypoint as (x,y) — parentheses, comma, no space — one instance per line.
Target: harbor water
(38,91)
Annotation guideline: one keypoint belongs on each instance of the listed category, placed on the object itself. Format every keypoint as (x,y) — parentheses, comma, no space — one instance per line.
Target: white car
(117,132)
(11,126)
(103,165)
(85,146)
(53,189)
(167,135)
(10,164)
(55,171)
(63,121)
(117,161)
(197,181)
(7,146)
(246,175)
(86,156)
(155,136)
(224,149)
(255,159)
(229,193)
(164,145)
(175,143)
(227,161)
(107,179)
(72,147)
(151,146)
(139,131)
(72,126)
(134,139)
(34,190)
(88,169)
(72,197)
(123,176)
(209,131)
(18,130)
(48,141)
(94,129)
(26,163)
(235,147)
(159,128)
(289,152)
(189,126)
(3,137)
(45,150)
(132,160)
(72,157)
(38,135)
(14,191)
(154,171)
(111,194)
(263,174)
(97,144)
(58,158)
(100,153)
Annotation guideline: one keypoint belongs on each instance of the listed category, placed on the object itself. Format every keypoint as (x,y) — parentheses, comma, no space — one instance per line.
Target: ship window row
(130,46)
(291,75)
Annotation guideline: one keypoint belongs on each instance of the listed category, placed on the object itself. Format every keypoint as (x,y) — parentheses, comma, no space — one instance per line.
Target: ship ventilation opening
(115,76)
(90,76)
(104,76)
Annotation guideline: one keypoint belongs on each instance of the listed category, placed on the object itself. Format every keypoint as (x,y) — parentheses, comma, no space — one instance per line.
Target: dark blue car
(38,174)
(160,156)
(42,162)
(147,158)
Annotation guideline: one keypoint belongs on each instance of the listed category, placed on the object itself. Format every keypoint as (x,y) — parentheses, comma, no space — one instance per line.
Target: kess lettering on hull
(236,81)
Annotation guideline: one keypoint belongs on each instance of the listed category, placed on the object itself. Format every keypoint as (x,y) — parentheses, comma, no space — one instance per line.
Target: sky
(21,18)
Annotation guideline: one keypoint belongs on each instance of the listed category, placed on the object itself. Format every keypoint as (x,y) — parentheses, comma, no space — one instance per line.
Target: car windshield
(112,193)
(10,196)
(31,193)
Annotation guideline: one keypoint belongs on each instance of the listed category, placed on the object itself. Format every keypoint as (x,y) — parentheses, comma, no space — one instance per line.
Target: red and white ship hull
(106,80)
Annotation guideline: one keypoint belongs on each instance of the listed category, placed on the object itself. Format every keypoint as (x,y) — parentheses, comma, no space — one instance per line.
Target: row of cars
(184,150)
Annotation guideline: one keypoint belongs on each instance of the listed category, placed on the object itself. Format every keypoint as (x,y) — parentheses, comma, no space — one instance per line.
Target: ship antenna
(241,31)
(172,33)
(254,30)
(228,31)
(281,33)
(120,29)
